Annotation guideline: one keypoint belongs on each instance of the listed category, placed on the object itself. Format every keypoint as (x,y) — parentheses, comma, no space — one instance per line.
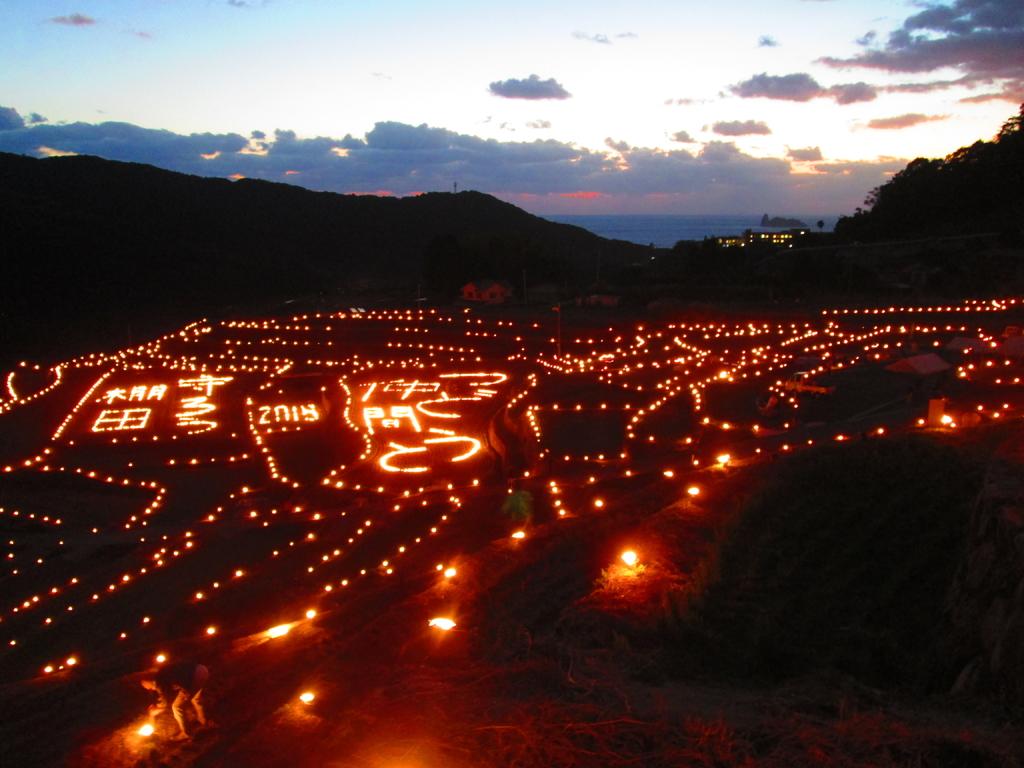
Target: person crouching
(181,686)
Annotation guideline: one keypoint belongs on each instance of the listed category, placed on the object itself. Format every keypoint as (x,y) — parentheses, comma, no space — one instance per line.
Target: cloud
(10,120)
(123,141)
(868,38)
(44,151)
(598,38)
(34,118)
(405,159)
(1007,90)
(903,121)
(682,137)
(767,41)
(530,88)
(852,93)
(539,124)
(983,39)
(74,20)
(808,154)
(1012,91)
(604,39)
(740,128)
(800,86)
(258,135)
(679,102)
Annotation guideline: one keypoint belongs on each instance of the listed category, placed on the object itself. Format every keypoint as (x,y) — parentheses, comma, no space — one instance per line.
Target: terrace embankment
(986,602)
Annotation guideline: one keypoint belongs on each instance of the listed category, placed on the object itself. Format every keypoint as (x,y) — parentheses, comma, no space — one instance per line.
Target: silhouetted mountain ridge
(92,245)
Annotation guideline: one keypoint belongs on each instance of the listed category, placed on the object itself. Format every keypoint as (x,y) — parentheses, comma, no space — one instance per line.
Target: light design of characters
(414,445)
(194,410)
(130,418)
(132,407)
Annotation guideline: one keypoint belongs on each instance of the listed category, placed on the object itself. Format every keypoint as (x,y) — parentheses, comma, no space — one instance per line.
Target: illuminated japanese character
(118,393)
(399,412)
(119,419)
(157,392)
(393,419)
(397,449)
(370,414)
(409,387)
(206,383)
(138,392)
(192,409)
(472,444)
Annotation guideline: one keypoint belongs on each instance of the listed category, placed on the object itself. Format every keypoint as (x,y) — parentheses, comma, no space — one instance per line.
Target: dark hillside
(976,189)
(95,249)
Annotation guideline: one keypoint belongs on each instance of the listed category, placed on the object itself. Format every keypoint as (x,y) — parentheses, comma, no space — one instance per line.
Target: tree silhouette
(976,189)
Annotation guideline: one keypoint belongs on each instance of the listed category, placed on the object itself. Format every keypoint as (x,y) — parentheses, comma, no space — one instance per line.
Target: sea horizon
(666,229)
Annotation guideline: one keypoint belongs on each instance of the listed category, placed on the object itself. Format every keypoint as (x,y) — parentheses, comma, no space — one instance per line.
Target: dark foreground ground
(794,604)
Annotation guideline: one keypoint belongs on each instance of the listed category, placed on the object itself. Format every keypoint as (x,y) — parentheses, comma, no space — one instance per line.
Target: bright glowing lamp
(161,658)
(279,631)
(449,572)
(693,490)
(442,623)
(519,535)
(146,730)
(629,557)
(310,614)
(306,697)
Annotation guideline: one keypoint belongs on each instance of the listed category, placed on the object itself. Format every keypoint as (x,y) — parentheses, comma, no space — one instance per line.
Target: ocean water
(665,230)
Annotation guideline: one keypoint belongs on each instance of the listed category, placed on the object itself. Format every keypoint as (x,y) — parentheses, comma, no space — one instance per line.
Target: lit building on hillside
(783,239)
